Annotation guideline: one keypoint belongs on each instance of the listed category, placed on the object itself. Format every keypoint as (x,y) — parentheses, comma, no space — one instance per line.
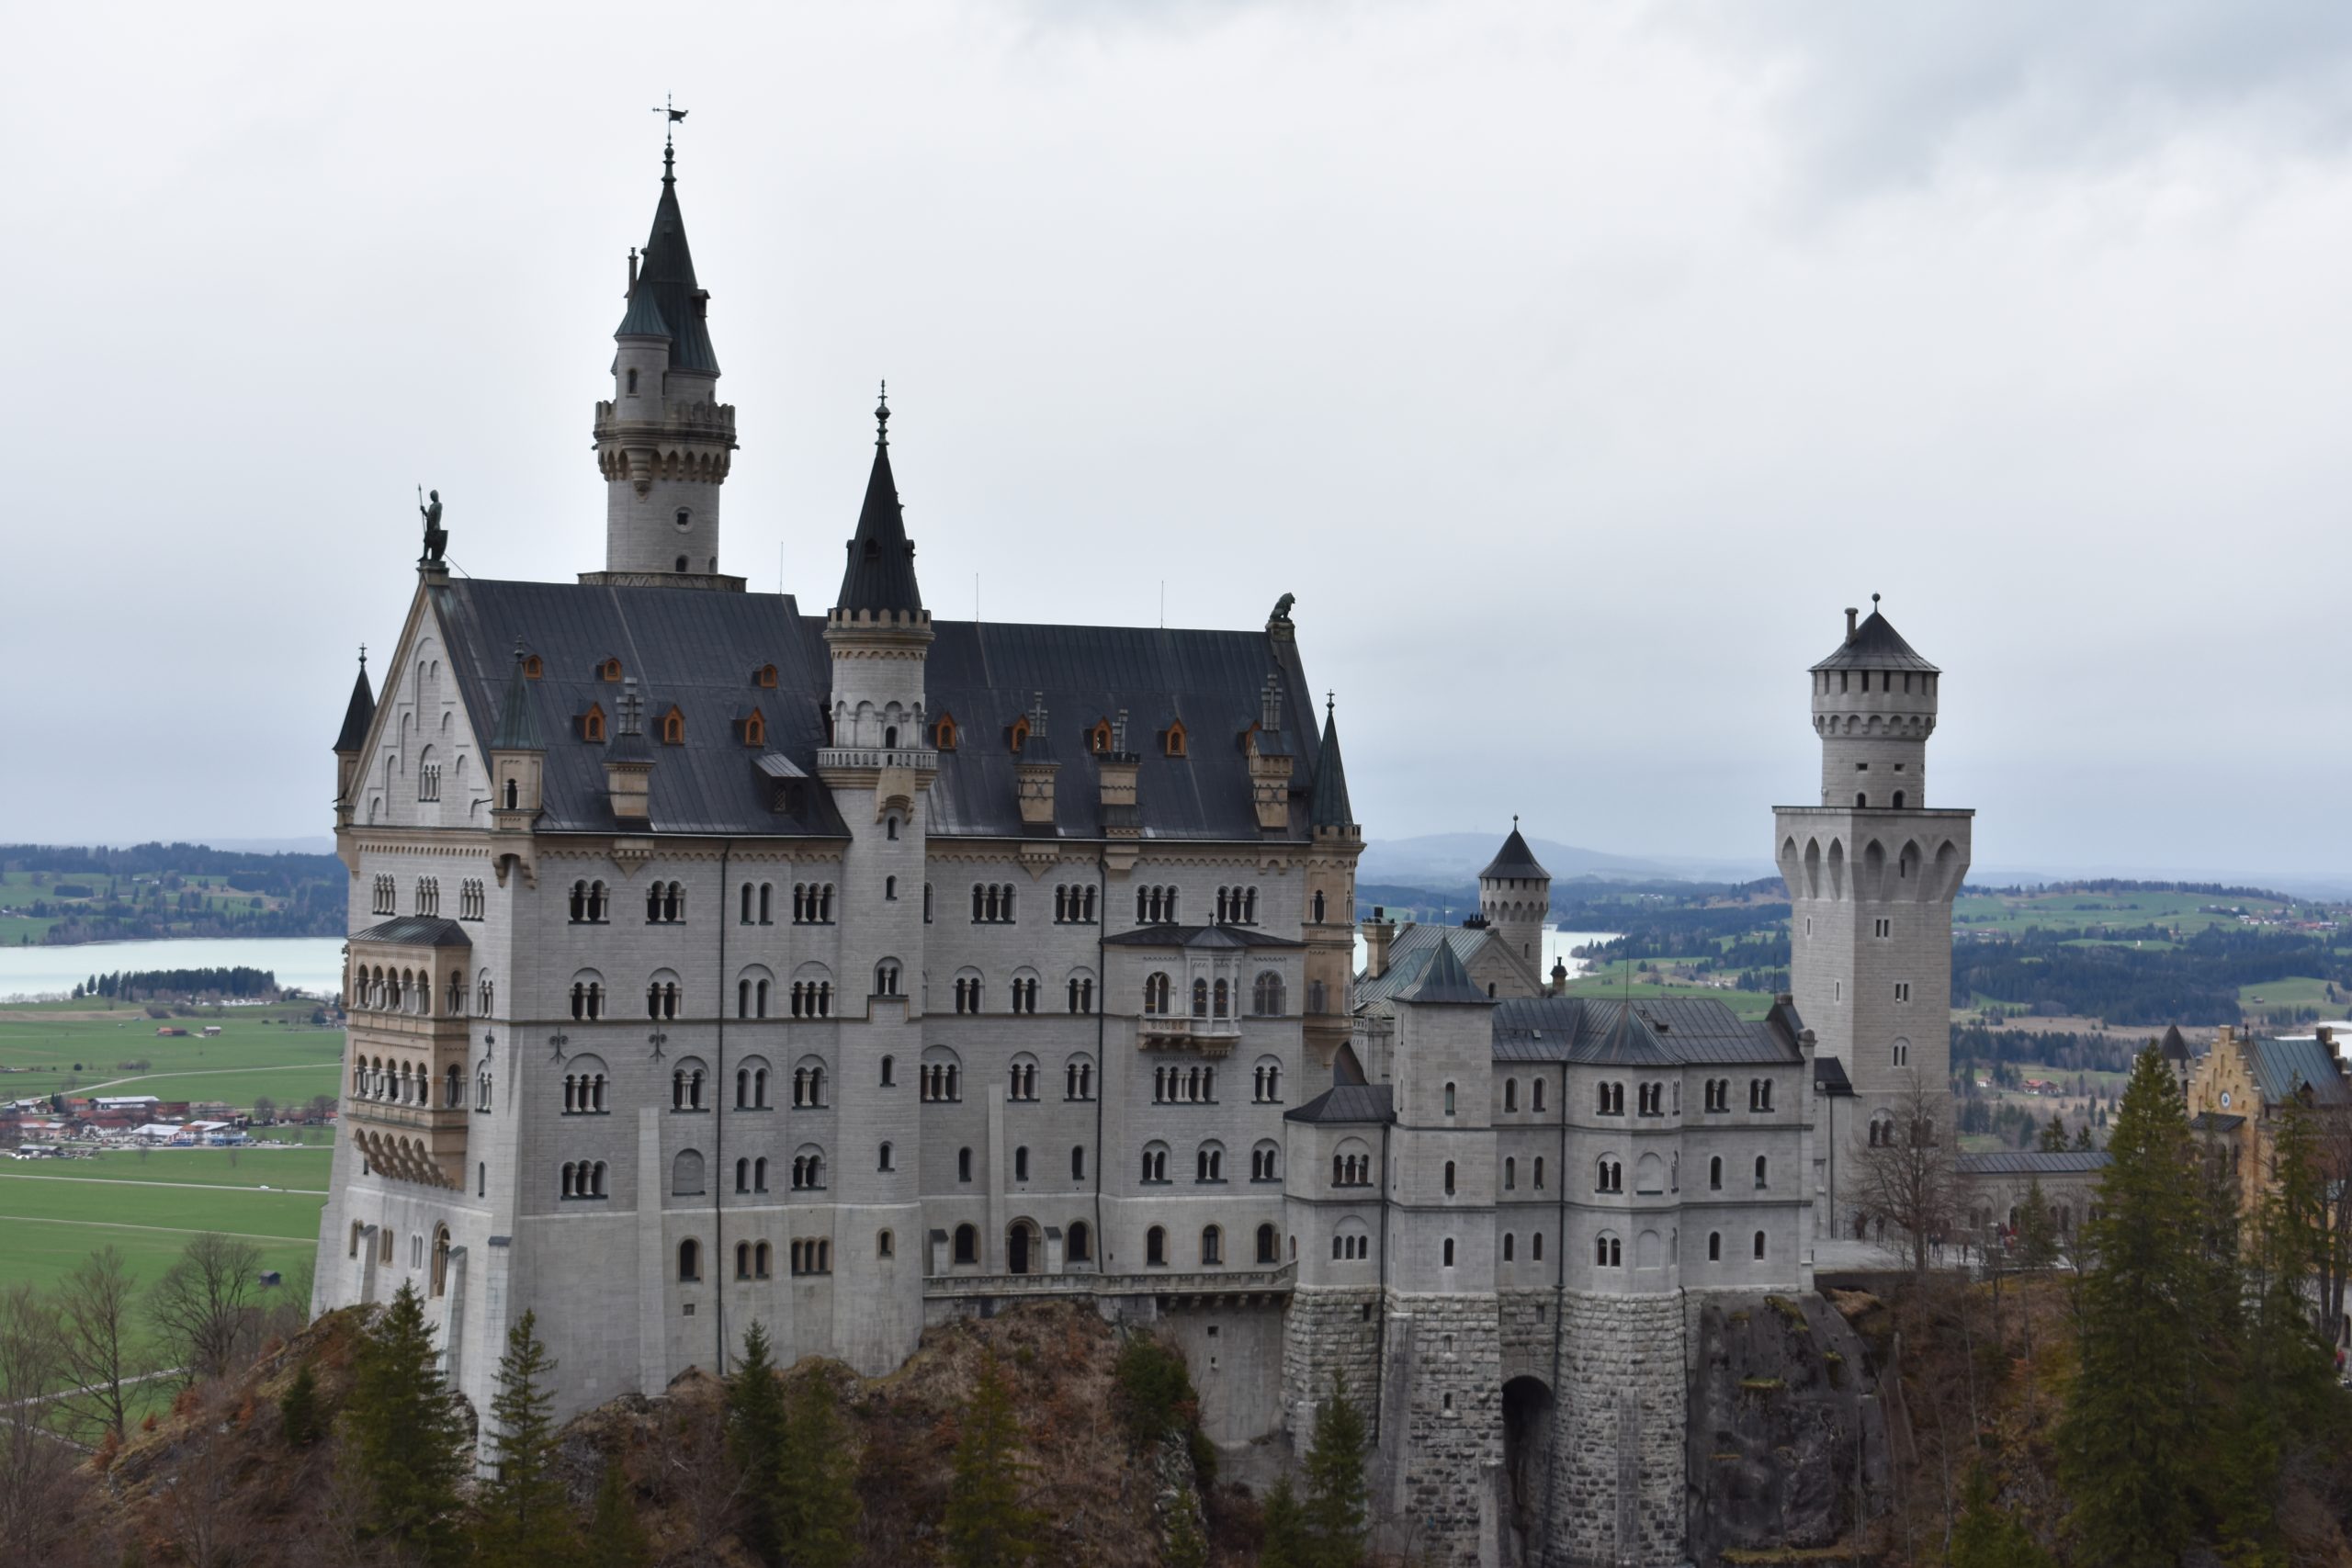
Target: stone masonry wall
(1618,1484)
(1440,1501)
(1328,1334)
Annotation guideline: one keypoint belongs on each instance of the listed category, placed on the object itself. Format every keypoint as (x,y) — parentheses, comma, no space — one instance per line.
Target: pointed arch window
(592,724)
(943,734)
(610,670)
(534,667)
(1098,740)
(1019,734)
(673,728)
(765,677)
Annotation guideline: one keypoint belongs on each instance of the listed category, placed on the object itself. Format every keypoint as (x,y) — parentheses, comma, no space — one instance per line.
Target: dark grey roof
(1198,936)
(1660,1033)
(1331,808)
(518,723)
(1515,860)
(2215,1121)
(2174,1048)
(1875,645)
(2033,1162)
(358,714)
(699,650)
(985,675)
(665,285)
(1444,983)
(1408,954)
(881,571)
(1360,1103)
(416,930)
(2279,1066)
(1829,1077)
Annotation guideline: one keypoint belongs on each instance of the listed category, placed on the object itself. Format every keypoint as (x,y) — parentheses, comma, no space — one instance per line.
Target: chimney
(629,761)
(1033,773)
(1378,932)
(1851,614)
(632,273)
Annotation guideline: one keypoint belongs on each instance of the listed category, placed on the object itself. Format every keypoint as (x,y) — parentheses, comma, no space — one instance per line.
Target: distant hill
(1446,859)
(60,895)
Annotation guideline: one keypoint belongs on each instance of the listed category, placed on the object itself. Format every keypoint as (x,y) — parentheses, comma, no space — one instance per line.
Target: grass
(49,1048)
(2072,911)
(2295,991)
(55,1213)
(204,895)
(1611,981)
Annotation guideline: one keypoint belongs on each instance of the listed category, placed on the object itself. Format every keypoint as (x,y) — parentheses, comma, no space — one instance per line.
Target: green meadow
(2185,912)
(53,1213)
(1620,980)
(90,1046)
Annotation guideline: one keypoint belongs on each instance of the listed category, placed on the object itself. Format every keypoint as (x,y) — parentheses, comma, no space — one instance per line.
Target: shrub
(1154,1391)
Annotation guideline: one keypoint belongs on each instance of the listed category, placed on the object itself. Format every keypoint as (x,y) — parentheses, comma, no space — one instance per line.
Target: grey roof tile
(1354,1102)
(666,283)
(1515,860)
(2033,1162)
(1682,1030)
(1332,807)
(1409,953)
(1198,936)
(358,714)
(518,721)
(881,574)
(1875,645)
(2279,1066)
(1444,983)
(416,930)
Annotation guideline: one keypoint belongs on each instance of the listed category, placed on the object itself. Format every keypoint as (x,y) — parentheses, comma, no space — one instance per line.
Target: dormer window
(1020,734)
(755,729)
(673,728)
(592,724)
(943,734)
(1098,740)
(610,670)
(765,677)
(532,668)
(1172,742)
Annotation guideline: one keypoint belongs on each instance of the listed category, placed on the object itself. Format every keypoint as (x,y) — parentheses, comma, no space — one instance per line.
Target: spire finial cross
(363,656)
(882,417)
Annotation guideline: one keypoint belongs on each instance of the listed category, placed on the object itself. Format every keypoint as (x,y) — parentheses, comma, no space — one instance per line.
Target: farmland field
(1611,981)
(78,1047)
(53,1213)
(2011,914)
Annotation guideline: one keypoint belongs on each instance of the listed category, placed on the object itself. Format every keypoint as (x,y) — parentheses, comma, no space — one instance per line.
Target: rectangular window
(1883,928)
(1903,990)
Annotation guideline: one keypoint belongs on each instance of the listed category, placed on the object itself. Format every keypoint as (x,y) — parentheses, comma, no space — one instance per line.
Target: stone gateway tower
(1871,873)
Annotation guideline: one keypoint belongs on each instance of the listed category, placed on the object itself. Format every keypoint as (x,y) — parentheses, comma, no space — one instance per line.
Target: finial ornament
(1873,604)
(882,417)
(363,656)
(674,116)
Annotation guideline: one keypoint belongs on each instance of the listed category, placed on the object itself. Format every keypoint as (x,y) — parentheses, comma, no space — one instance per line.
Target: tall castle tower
(1871,873)
(1515,896)
(664,442)
(878,762)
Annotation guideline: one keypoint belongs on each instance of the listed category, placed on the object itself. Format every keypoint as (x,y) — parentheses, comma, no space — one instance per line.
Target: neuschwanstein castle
(715,959)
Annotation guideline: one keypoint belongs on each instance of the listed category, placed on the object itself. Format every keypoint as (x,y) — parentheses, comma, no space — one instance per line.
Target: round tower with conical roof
(1515,899)
(664,442)
(1873,706)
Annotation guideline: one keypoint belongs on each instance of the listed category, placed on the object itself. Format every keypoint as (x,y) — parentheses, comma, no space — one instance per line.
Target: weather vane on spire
(675,113)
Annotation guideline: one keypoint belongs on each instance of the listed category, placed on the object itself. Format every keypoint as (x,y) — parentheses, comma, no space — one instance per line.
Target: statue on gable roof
(1281,607)
(436,538)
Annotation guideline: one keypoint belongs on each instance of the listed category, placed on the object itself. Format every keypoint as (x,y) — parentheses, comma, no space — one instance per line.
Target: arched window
(689,1259)
(1200,998)
(1080,1245)
(968,1244)
(888,1063)
(1761,1181)
(1266,995)
(685,1174)
(1077,1162)
(1608,1252)
(1449,1178)
(885,1245)
(1155,1163)
(1714,1247)
(1449,1099)
(1510,1094)
(1269,1244)
(1508,1246)
(1447,1261)
(963,1165)
(1760,1246)
(1155,1248)
(1715,1173)
(1211,1246)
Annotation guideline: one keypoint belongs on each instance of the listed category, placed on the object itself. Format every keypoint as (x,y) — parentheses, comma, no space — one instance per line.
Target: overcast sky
(1575,366)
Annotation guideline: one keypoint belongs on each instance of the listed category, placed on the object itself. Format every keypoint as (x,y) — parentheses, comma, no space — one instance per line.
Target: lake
(1556,945)
(312,963)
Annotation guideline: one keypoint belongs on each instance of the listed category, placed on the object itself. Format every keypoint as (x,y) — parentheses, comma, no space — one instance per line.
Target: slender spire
(1332,807)
(666,302)
(880,575)
(518,725)
(361,711)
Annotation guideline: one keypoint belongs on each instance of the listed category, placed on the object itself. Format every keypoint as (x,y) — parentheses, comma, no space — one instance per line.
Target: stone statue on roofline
(436,538)
(1281,607)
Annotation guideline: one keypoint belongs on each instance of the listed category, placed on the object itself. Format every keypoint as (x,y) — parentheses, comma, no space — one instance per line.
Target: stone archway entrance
(1528,1409)
(1021,1249)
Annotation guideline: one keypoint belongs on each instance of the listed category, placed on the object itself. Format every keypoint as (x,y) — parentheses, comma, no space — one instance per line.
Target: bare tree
(95,1341)
(321,1107)
(1907,1178)
(35,1464)
(264,1109)
(203,1307)
(2332,1147)
(200,1505)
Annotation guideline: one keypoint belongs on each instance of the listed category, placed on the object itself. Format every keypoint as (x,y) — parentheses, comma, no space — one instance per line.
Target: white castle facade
(714,962)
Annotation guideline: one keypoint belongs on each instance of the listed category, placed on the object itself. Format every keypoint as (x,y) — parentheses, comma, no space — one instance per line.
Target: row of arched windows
(1214,999)
(398,1083)
(665,904)
(583,1178)
(1510,1094)
(1183,1085)
(583,1094)
(589,903)
(379,989)
(1074,906)
(1208,1163)
(991,903)
(1237,906)
(1155,905)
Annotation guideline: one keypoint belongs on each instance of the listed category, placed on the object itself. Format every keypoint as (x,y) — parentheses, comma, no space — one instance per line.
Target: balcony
(414,1118)
(922,758)
(1213,1037)
(1187,1284)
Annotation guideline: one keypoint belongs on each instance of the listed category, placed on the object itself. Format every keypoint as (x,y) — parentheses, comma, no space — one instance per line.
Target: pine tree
(616,1537)
(1987,1537)
(756,1432)
(1335,1489)
(2054,1136)
(2138,1423)
(2084,1142)
(523,1520)
(404,1434)
(1284,1543)
(816,1482)
(987,1526)
(298,1409)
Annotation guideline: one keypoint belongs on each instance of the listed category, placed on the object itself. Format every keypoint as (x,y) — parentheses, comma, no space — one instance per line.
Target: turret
(878,629)
(1515,896)
(664,443)
(1874,707)
(357,715)
(1337,841)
